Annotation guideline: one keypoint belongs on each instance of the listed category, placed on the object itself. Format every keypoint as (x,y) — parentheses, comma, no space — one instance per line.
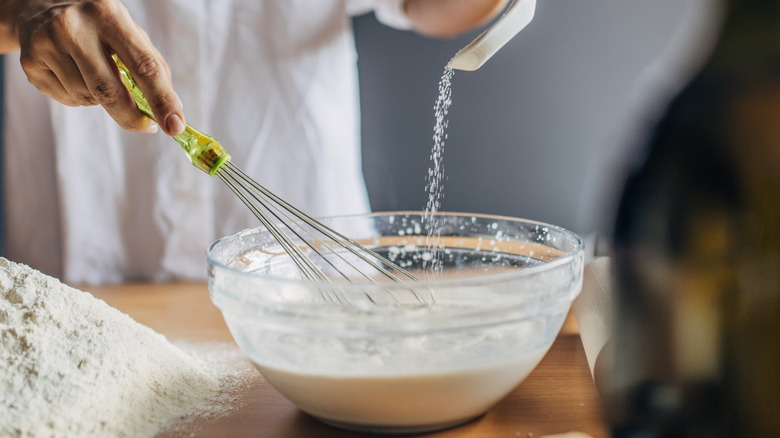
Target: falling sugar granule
(435,178)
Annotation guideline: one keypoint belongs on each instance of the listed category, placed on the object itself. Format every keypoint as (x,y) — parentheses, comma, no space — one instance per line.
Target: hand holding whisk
(296,232)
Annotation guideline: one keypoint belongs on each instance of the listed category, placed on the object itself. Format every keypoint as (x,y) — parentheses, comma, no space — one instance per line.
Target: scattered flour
(435,177)
(70,365)
(235,373)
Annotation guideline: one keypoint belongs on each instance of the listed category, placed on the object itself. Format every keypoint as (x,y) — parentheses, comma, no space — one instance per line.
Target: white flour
(435,177)
(72,366)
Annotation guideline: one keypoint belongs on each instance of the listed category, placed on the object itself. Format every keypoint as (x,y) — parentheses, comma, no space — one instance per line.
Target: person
(274,81)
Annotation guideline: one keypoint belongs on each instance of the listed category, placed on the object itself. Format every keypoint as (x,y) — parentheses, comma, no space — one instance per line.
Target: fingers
(101,80)
(56,76)
(77,93)
(48,84)
(152,75)
(148,68)
(66,53)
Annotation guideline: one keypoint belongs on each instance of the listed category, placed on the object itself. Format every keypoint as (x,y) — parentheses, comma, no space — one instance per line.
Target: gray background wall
(531,131)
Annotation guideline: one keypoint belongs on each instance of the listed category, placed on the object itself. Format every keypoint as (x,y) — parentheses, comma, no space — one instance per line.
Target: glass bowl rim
(568,257)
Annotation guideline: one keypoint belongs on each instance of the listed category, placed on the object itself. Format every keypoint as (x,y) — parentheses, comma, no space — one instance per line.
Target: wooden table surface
(558,397)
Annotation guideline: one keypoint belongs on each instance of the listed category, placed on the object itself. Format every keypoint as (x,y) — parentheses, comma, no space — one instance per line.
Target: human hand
(66,48)
(450,18)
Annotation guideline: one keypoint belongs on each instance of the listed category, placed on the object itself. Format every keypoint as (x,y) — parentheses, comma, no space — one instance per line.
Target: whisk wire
(309,270)
(260,200)
(233,177)
(365,254)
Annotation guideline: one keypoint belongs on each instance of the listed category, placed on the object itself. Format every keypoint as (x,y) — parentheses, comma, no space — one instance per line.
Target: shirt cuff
(391,13)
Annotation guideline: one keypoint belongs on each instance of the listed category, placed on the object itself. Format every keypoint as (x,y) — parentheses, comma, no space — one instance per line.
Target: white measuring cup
(515,18)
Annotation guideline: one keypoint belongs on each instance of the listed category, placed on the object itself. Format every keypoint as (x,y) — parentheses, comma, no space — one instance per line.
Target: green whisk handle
(204,151)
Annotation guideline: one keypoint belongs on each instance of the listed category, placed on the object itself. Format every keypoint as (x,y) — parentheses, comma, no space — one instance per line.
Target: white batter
(409,400)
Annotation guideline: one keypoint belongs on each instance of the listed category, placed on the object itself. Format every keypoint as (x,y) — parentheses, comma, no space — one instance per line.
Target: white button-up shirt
(274,81)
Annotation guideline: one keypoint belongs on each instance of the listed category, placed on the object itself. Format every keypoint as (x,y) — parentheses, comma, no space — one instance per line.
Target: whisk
(277,215)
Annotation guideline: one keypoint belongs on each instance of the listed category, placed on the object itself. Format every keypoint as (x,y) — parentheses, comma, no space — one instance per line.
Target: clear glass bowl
(398,358)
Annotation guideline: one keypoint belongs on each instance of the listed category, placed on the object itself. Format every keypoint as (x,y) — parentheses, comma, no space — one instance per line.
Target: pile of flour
(70,365)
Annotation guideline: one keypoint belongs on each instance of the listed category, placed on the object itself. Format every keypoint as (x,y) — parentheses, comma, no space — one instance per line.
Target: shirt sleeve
(388,12)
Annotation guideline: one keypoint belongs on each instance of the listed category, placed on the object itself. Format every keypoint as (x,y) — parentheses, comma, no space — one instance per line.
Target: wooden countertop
(558,397)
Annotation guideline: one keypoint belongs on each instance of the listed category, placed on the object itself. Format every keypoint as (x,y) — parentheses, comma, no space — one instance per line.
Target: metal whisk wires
(275,214)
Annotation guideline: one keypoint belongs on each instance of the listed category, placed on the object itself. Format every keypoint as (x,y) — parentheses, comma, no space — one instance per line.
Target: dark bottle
(696,335)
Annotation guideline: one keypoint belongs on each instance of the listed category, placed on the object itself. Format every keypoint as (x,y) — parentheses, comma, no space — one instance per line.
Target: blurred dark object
(697,250)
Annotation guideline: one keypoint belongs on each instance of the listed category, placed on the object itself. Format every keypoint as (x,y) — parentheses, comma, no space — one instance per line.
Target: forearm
(449,18)
(8,39)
